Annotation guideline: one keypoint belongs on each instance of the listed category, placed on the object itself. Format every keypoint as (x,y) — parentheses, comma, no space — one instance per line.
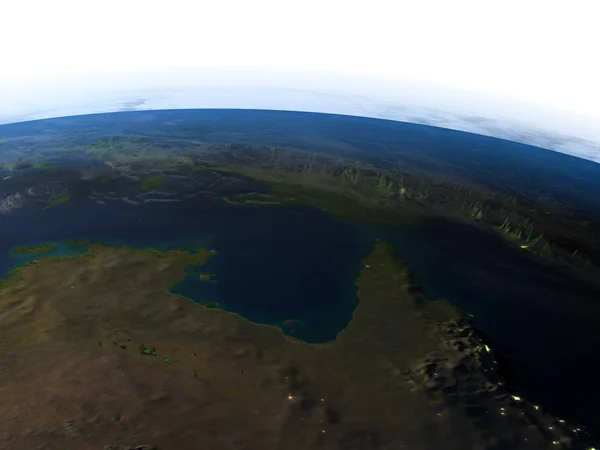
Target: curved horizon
(289,91)
(123,111)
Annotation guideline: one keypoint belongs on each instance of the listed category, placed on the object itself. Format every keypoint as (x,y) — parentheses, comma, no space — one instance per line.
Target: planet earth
(251,279)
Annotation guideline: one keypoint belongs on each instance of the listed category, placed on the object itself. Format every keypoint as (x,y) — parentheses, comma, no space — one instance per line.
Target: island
(58,201)
(38,249)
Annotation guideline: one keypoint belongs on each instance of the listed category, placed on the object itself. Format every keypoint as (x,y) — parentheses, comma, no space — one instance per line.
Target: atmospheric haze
(518,71)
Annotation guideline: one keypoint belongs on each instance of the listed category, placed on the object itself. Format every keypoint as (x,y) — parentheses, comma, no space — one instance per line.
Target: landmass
(23,166)
(153,183)
(207,277)
(58,201)
(96,353)
(25,249)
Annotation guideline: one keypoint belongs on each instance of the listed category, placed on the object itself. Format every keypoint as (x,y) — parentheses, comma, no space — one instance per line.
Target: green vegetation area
(344,196)
(125,149)
(25,166)
(37,249)
(142,349)
(15,275)
(194,258)
(183,259)
(524,233)
(103,144)
(155,182)
(147,351)
(42,166)
(210,304)
(78,243)
(367,196)
(58,201)
(106,143)
(207,277)
(475,210)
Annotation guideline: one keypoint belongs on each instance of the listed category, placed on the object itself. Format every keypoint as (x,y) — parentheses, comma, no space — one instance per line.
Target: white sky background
(544,53)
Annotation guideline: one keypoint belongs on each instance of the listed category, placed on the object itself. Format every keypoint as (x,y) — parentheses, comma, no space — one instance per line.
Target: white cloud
(536,50)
